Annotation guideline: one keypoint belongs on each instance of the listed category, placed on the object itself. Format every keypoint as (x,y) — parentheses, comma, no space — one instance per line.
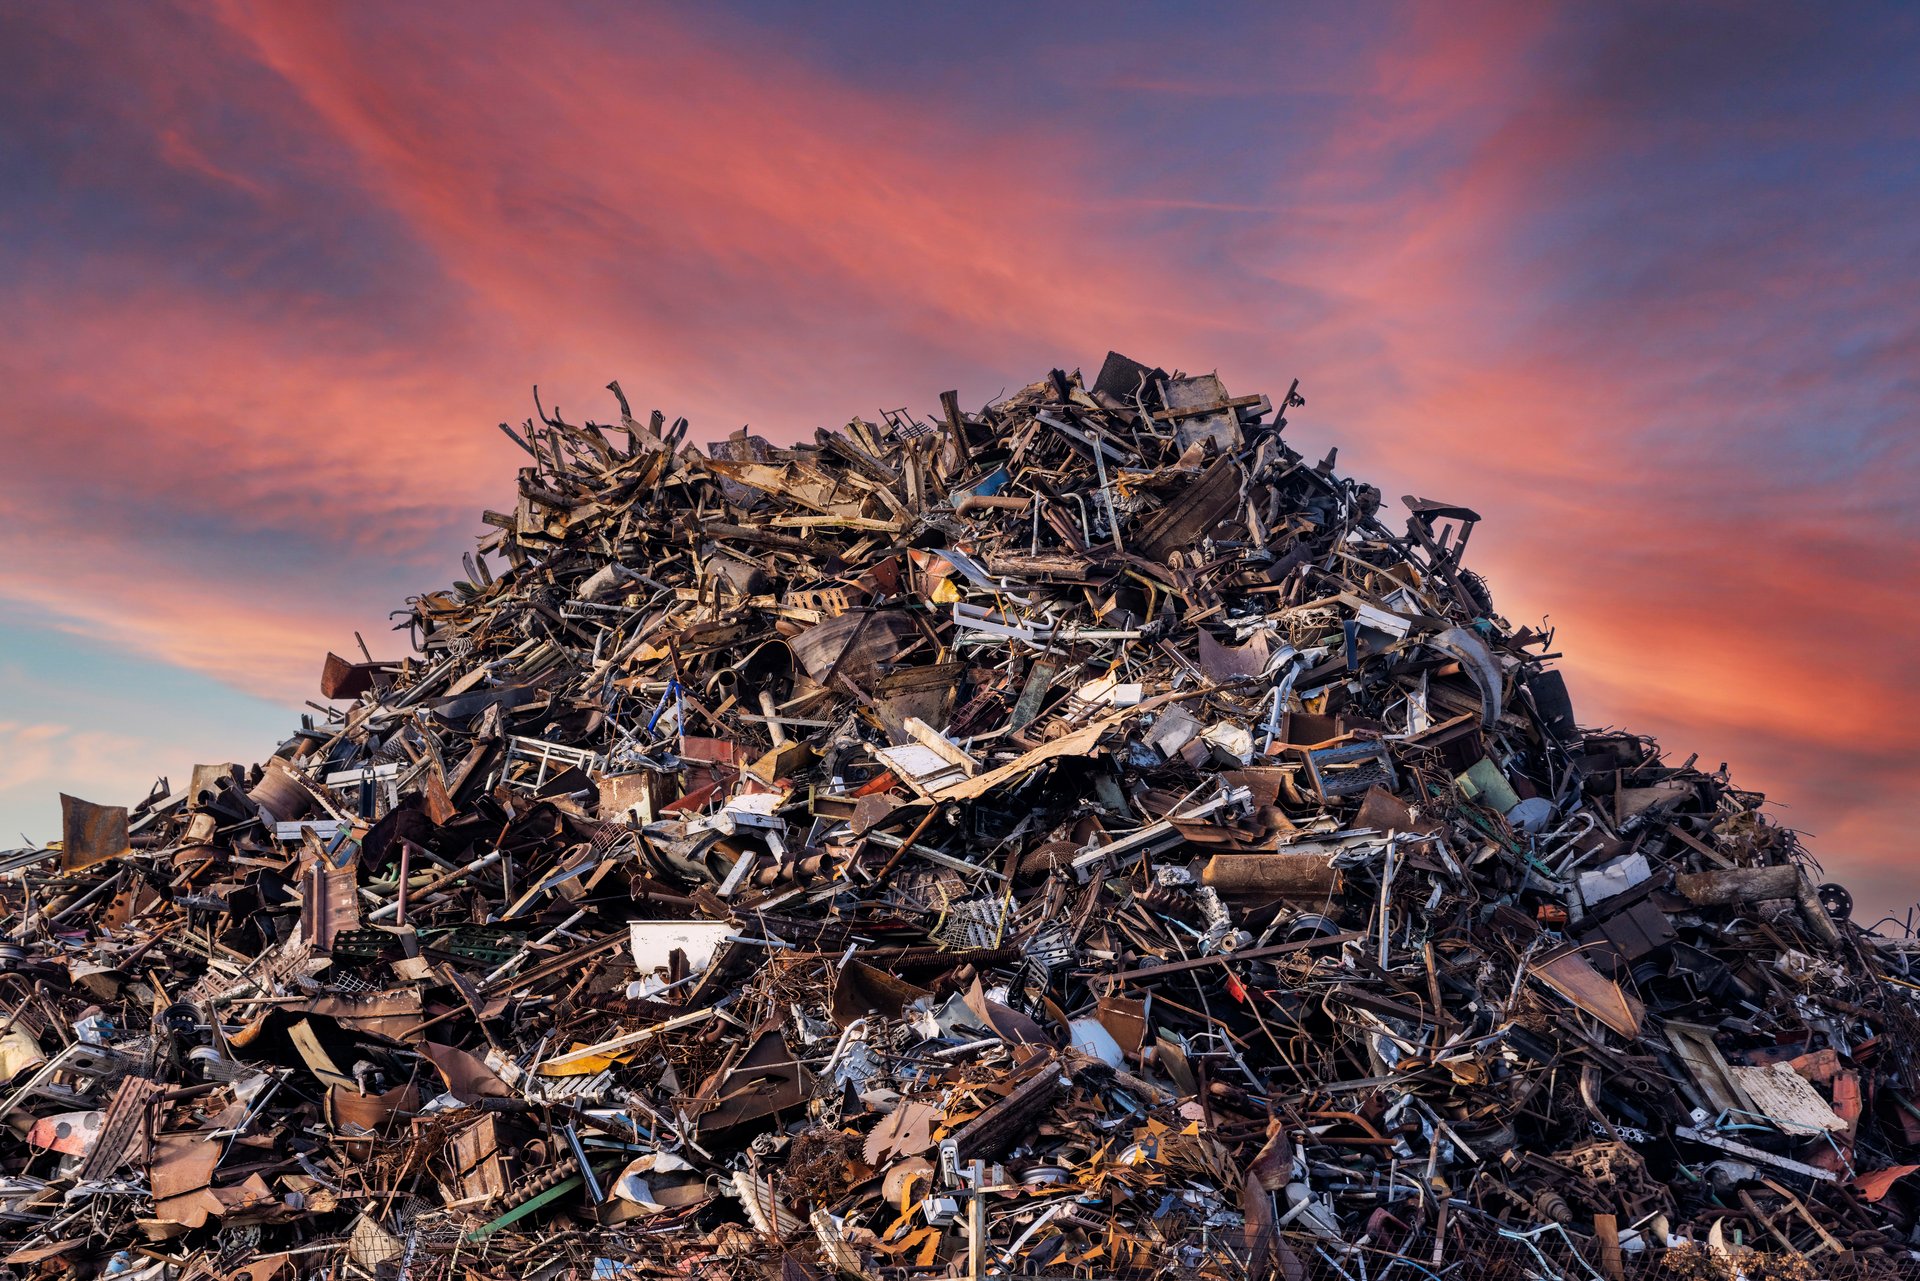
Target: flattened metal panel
(1221,428)
(90,833)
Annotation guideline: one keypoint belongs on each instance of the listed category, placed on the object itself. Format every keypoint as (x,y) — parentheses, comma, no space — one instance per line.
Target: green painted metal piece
(525,1208)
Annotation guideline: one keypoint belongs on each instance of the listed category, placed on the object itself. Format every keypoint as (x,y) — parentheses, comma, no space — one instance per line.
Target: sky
(1635,281)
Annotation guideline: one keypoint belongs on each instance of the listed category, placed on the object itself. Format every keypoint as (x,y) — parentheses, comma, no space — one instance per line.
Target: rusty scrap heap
(1079,838)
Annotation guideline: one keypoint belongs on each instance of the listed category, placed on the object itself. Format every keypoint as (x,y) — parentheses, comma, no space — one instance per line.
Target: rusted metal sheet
(90,834)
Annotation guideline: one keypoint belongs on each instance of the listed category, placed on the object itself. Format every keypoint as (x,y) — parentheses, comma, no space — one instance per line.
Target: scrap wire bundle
(1077,838)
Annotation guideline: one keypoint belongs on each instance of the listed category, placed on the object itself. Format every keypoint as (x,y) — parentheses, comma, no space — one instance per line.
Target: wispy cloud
(100,764)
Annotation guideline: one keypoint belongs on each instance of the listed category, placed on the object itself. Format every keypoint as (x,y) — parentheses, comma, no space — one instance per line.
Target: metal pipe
(769,710)
(990,502)
(484,861)
(400,903)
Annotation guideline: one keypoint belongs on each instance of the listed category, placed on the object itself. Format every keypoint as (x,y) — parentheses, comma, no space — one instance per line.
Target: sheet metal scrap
(1081,837)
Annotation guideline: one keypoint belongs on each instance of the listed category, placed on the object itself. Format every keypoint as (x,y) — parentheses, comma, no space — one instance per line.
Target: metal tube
(381,913)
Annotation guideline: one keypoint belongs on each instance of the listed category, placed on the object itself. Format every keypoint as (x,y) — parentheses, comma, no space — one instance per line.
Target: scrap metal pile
(1078,838)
